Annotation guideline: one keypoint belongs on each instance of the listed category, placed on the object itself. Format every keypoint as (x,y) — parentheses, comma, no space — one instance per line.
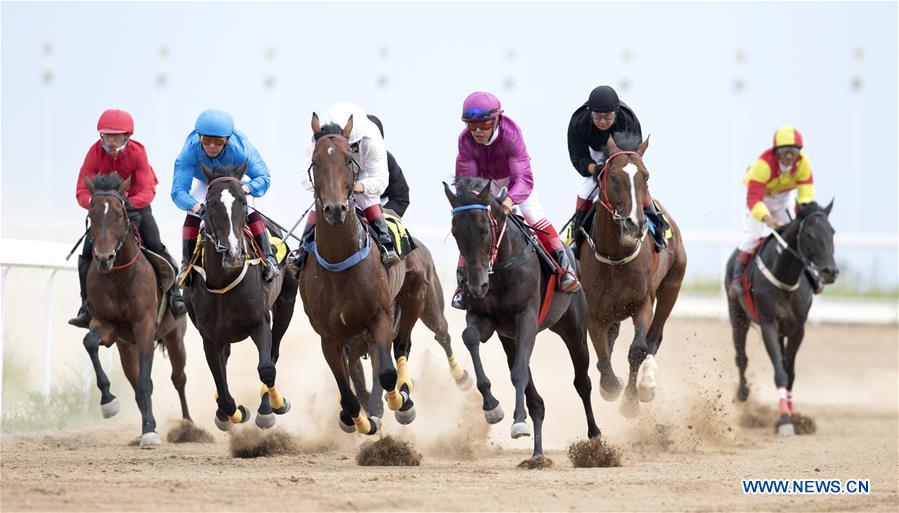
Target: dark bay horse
(781,293)
(347,292)
(232,301)
(625,277)
(431,315)
(124,295)
(505,281)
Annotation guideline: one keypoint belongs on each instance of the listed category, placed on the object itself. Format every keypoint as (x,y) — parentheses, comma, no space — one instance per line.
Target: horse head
(226,217)
(478,225)
(108,217)
(815,240)
(333,171)
(623,188)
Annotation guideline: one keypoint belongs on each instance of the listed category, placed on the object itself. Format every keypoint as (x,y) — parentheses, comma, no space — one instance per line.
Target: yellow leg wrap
(263,391)
(275,398)
(456,370)
(402,373)
(362,424)
(394,400)
(237,418)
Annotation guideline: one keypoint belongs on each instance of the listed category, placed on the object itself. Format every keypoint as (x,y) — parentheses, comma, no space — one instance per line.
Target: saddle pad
(402,240)
(280,248)
(668,233)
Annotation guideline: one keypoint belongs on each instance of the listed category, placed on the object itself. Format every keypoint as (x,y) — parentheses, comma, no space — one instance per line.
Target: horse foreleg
(571,327)
(609,384)
(271,401)
(635,357)
(398,398)
(357,378)
(523,345)
(480,329)
(351,417)
(793,343)
(772,339)
(228,412)
(109,405)
(144,347)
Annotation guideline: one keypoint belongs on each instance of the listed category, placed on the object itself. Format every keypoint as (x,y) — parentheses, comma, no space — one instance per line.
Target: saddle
(746,281)
(402,239)
(165,278)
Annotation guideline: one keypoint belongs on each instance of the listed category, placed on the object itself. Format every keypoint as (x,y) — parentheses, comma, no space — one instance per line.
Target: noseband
(604,193)
(311,171)
(129,227)
(210,226)
(495,239)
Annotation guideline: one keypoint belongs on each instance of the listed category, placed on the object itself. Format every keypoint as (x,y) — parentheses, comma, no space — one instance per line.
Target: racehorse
(624,277)
(232,301)
(125,295)
(505,281)
(347,291)
(432,316)
(782,278)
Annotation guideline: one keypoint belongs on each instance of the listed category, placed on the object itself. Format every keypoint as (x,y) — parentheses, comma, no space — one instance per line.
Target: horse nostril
(343,208)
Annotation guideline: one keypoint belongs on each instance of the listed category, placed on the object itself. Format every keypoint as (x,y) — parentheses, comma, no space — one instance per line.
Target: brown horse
(347,291)
(124,295)
(623,277)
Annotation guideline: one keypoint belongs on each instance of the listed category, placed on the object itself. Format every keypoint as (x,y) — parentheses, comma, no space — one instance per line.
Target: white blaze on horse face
(105,208)
(228,201)
(631,170)
(330,150)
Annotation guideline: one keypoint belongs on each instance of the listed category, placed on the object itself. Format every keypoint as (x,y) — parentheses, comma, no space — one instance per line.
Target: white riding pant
(754,230)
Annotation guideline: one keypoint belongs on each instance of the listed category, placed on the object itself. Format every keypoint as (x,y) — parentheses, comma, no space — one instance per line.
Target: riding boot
(187,252)
(658,221)
(297,258)
(389,256)
(577,237)
(176,301)
(568,281)
(736,287)
(83,318)
(458,300)
(271,269)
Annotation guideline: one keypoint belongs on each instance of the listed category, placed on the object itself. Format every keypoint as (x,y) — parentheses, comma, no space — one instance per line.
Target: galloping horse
(504,281)
(432,316)
(623,277)
(347,292)
(780,296)
(232,302)
(124,295)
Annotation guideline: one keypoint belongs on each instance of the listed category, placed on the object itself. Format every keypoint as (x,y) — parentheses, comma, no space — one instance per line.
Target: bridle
(354,166)
(496,233)
(129,227)
(603,175)
(210,226)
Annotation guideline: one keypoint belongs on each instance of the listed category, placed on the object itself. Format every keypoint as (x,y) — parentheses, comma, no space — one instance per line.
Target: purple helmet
(481,106)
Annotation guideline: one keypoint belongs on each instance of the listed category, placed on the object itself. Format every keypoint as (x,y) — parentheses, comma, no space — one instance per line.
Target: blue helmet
(216,123)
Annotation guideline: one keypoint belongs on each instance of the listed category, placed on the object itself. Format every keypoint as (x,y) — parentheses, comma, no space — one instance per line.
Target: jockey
(116,151)
(372,181)
(396,195)
(491,146)
(603,115)
(215,142)
(770,182)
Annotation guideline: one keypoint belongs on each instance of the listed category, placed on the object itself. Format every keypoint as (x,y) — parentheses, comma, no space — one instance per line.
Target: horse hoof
(495,415)
(244,414)
(111,408)
(464,383)
(405,417)
(265,420)
(646,394)
(520,429)
(786,429)
(222,424)
(743,393)
(629,408)
(282,410)
(611,392)
(149,440)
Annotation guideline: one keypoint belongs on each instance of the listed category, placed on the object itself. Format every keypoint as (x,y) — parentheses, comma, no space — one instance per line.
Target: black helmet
(603,99)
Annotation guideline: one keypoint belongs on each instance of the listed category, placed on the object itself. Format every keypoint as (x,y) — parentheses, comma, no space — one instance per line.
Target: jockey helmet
(114,121)
(216,123)
(603,99)
(787,135)
(481,106)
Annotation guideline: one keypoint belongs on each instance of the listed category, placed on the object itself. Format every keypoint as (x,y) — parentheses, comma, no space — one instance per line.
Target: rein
(495,240)
(795,253)
(604,194)
(311,174)
(129,227)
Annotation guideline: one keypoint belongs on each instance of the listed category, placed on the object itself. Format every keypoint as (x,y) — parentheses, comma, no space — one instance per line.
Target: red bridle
(604,195)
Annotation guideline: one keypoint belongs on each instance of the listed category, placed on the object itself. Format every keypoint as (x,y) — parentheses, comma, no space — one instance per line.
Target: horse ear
(828,207)
(125,185)
(89,184)
(207,172)
(241,170)
(316,124)
(348,129)
(484,195)
(611,146)
(502,194)
(642,148)
(450,195)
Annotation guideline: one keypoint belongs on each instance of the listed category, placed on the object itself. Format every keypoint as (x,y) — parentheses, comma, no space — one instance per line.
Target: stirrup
(572,287)
(458,300)
(270,270)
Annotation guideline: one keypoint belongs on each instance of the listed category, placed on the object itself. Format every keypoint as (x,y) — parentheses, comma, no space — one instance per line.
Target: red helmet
(787,135)
(114,121)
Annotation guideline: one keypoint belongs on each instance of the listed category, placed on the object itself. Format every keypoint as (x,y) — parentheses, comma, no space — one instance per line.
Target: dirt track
(686,451)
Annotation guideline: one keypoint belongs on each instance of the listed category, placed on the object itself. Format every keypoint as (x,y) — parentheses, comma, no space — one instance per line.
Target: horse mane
(468,187)
(329,129)
(804,210)
(225,170)
(107,181)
